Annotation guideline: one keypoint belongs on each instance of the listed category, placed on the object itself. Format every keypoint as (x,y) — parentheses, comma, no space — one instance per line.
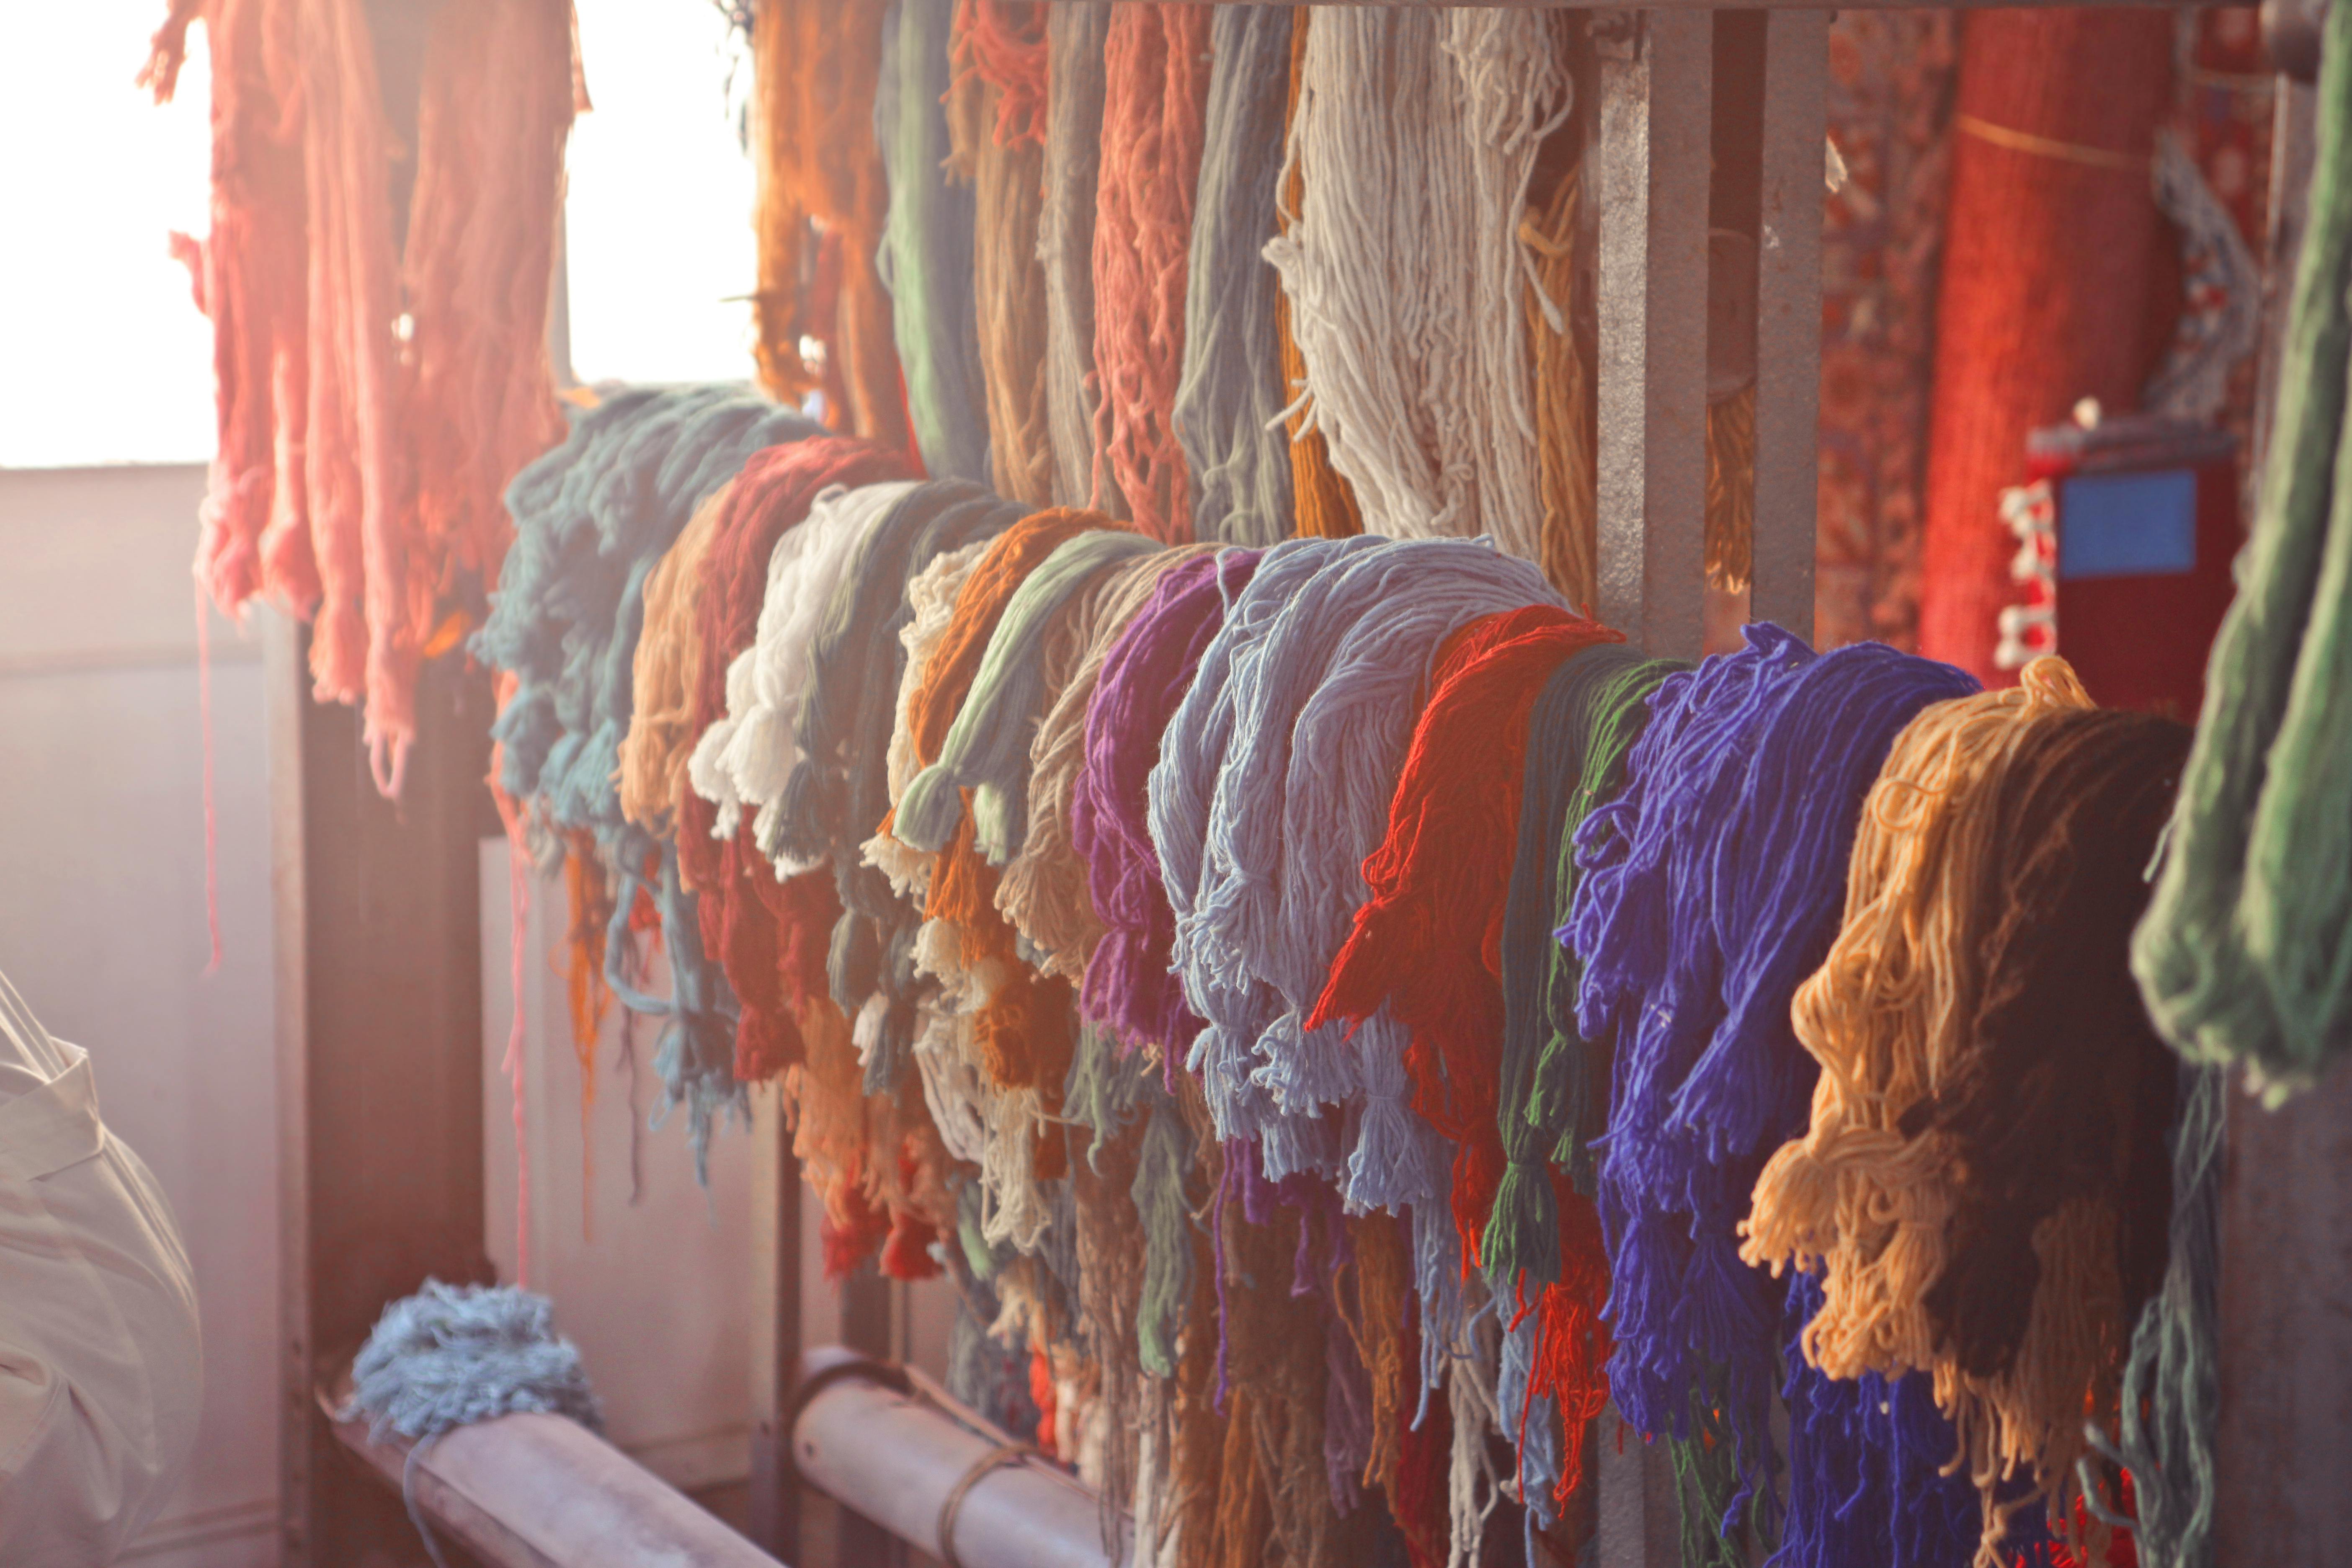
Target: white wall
(102,920)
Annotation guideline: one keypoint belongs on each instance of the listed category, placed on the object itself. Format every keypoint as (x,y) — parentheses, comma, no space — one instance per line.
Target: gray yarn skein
(1065,245)
(1230,402)
(451,1355)
(454,1354)
(1185,785)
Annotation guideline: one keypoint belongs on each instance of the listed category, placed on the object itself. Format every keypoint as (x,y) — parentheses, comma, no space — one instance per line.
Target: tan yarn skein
(1888,1017)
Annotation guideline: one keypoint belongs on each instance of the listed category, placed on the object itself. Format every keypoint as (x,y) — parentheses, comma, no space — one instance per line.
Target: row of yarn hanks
(2243,958)
(1044,890)
(822,199)
(1230,401)
(771,935)
(1542,1251)
(1130,986)
(1415,136)
(1709,889)
(1982,1189)
(997,119)
(592,520)
(360,459)
(1156,71)
(927,243)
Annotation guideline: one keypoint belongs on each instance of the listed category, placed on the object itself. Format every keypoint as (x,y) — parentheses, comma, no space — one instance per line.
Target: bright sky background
(103,356)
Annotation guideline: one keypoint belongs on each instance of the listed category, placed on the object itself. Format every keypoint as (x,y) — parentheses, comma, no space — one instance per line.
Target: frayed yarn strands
(1415,136)
(1229,400)
(1000,54)
(499,96)
(1156,70)
(251,274)
(744,760)
(1146,674)
(986,751)
(591,518)
(1044,892)
(823,199)
(1710,888)
(926,244)
(771,936)
(1075,32)
(388,455)
(2242,959)
(1969,840)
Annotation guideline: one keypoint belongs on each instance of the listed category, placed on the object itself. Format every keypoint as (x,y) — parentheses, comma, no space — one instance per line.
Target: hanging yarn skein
(1044,892)
(1550,1089)
(1182,787)
(665,674)
(1325,505)
(927,243)
(358,475)
(1075,32)
(1415,136)
(771,934)
(1156,71)
(2241,958)
(1230,398)
(1146,674)
(1710,886)
(822,200)
(840,789)
(999,55)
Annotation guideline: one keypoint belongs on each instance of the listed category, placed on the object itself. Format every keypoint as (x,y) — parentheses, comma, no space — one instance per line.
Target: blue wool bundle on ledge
(454,1354)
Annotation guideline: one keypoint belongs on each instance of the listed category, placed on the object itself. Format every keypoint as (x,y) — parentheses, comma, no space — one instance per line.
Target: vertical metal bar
(2284,1443)
(1789,319)
(775,1511)
(1656,96)
(1640,1525)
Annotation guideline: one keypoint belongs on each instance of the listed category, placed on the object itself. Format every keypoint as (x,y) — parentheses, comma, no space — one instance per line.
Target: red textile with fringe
(2052,246)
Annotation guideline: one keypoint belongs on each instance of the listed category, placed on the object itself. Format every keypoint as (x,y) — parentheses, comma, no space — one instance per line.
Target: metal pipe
(539,1491)
(882,1442)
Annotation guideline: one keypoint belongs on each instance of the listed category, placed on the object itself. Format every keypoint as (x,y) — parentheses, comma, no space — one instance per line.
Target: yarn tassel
(1074,36)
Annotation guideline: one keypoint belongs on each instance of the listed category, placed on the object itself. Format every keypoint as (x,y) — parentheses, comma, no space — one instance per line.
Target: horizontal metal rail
(540,1491)
(883,1441)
